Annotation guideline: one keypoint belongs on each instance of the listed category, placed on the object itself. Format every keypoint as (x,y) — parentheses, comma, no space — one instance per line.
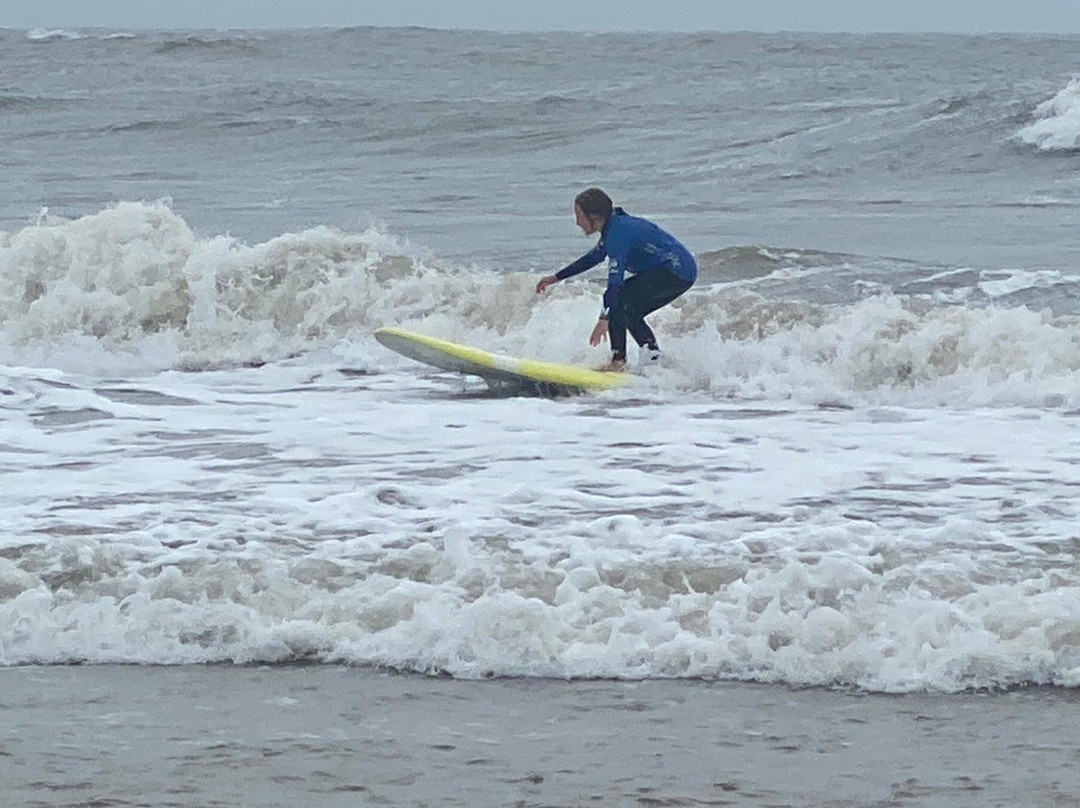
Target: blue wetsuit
(662,268)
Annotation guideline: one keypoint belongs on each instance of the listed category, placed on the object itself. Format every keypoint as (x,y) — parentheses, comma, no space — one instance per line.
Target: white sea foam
(52,34)
(133,288)
(1057,127)
(263,516)
(790,502)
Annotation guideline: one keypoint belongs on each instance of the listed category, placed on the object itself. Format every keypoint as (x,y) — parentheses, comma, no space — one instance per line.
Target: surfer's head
(592,209)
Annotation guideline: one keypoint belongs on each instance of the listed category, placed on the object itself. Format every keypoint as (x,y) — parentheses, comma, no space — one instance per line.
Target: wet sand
(334,736)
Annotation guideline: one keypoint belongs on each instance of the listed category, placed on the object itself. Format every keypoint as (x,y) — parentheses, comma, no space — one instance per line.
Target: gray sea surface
(473,144)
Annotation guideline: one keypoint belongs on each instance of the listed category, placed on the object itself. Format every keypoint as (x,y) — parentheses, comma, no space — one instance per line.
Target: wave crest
(136,275)
(1057,127)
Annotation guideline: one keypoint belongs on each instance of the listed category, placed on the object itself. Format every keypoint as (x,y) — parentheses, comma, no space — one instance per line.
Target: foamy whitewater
(860,468)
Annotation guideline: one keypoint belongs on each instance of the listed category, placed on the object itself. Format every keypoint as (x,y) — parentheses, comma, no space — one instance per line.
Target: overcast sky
(1052,16)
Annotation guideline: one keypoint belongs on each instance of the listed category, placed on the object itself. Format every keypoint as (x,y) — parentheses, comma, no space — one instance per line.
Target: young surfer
(660,268)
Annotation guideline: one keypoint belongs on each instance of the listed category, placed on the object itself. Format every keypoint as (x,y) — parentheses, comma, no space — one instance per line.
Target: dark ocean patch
(238,44)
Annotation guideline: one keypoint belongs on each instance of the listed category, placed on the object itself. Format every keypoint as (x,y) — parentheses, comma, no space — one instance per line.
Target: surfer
(660,269)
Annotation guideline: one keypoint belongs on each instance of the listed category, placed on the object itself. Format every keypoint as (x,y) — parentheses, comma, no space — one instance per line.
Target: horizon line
(58,28)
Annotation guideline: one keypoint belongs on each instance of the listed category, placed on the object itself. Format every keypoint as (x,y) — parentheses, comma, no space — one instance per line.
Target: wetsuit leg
(617,333)
(641,295)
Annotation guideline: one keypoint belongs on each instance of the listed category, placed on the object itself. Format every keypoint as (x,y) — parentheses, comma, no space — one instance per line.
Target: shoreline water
(343,736)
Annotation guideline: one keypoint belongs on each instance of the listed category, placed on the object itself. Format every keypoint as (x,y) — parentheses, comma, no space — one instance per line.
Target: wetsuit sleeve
(617,252)
(587,261)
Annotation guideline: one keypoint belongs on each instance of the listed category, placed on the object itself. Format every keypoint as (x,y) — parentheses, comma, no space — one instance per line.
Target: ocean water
(860,471)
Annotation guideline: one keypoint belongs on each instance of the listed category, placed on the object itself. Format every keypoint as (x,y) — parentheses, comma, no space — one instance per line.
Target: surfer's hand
(545,282)
(599,333)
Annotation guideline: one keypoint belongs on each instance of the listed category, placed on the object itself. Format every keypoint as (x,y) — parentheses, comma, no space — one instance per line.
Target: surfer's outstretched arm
(587,261)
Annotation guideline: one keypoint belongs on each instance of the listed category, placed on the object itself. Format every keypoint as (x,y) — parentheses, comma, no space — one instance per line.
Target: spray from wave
(1057,127)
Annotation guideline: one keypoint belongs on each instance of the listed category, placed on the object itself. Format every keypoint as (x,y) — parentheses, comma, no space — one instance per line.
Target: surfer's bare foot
(614,366)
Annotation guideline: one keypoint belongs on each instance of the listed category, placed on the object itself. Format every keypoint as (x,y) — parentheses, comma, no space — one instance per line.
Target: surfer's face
(588,224)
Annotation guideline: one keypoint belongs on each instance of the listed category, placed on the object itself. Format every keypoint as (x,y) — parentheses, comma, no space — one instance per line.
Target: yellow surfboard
(500,372)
